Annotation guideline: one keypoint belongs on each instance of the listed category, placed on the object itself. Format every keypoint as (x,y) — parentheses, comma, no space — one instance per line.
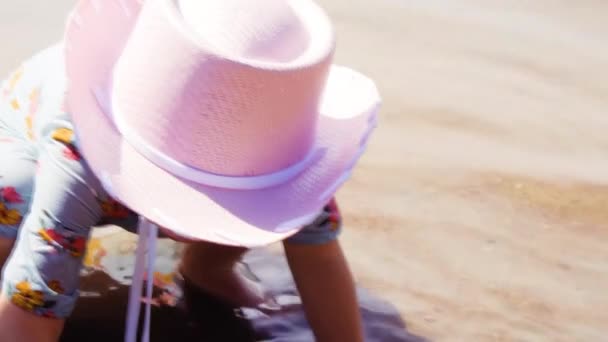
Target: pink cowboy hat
(223,121)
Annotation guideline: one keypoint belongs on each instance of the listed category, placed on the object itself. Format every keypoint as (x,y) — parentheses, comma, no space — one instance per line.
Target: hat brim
(96,34)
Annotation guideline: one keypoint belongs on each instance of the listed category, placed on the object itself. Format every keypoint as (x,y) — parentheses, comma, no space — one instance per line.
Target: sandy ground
(481,208)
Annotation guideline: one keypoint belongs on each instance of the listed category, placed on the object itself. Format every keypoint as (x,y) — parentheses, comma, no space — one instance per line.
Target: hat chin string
(193,174)
(148,232)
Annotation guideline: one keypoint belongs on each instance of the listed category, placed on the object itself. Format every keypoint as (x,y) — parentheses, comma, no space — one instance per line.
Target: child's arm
(327,289)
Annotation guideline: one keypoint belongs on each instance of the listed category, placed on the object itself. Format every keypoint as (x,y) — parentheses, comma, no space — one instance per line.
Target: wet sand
(481,208)
(195,316)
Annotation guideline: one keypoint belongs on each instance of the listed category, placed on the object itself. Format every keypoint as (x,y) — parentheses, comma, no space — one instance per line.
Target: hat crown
(229,87)
(269,31)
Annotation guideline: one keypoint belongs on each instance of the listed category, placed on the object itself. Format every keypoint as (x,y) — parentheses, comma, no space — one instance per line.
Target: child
(224,123)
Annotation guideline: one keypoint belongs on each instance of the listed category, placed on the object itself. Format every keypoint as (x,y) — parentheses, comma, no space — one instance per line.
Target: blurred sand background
(481,208)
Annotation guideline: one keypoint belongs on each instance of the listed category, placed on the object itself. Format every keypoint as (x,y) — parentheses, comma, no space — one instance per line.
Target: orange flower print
(95,252)
(29,124)
(64,135)
(12,82)
(55,285)
(34,100)
(15,104)
(15,77)
(29,119)
(10,195)
(26,298)
(163,280)
(334,214)
(112,209)
(9,217)
(74,245)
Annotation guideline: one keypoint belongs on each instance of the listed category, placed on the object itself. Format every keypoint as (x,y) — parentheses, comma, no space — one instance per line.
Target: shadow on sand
(100,314)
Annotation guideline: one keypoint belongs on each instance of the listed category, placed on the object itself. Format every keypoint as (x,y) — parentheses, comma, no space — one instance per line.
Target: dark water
(100,313)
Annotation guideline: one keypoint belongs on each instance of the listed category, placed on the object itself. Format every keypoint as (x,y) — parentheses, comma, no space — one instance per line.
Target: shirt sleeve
(324,229)
(65,200)
(42,274)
